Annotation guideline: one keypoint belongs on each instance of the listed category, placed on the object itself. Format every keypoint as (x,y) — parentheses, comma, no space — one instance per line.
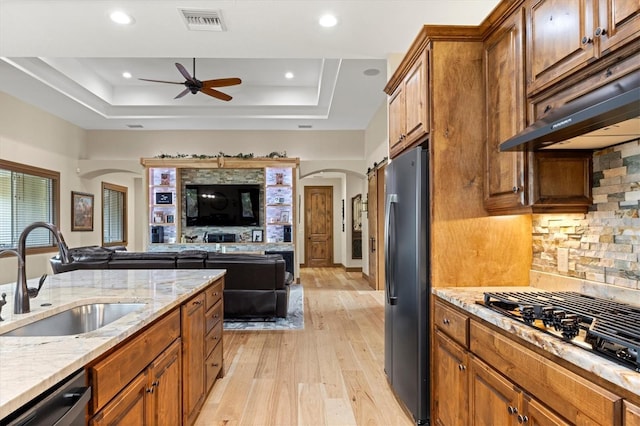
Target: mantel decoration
(81,211)
(221,154)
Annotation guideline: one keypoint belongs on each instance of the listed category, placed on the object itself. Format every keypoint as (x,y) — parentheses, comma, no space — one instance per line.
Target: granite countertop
(466,298)
(30,365)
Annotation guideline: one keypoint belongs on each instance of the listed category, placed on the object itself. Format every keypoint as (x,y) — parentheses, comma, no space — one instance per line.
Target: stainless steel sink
(78,320)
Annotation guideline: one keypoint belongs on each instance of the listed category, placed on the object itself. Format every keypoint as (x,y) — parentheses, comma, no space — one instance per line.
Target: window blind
(113,225)
(24,199)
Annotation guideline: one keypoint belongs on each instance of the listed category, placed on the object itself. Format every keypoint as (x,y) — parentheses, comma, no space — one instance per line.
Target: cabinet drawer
(575,398)
(213,366)
(453,323)
(214,293)
(213,338)
(213,316)
(112,373)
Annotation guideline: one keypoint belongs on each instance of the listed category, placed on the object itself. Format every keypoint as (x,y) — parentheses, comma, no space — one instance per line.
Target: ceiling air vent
(135,126)
(203,20)
(304,126)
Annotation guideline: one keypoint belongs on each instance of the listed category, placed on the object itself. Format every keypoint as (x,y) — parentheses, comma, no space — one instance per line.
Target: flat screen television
(222,205)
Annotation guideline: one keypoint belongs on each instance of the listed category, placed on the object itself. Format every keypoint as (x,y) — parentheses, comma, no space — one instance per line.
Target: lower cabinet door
(492,399)
(536,414)
(129,407)
(451,402)
(166,387)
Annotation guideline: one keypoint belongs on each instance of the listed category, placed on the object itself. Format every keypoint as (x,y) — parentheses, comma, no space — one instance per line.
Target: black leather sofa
(256,285)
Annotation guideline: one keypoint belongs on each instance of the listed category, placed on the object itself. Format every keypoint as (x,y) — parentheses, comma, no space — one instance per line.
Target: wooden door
(505,173)
(129,407)
(318,219)
(451,384)
(166,387)
(492,399)
(372,215)
(193,379)
(416,98)
(380,182)
(560,34)
(631,415)
(396,121)
(536,414)
(618,24)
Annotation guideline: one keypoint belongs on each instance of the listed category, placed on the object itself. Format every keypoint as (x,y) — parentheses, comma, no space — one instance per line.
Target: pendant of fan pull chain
(194,85)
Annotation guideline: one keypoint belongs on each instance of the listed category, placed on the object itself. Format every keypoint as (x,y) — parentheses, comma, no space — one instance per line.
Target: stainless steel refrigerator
(407,281)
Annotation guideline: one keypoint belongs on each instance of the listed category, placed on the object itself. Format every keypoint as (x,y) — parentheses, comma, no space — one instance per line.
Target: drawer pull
(512,410)
(522,419)
(462,367)
(197,302)
(446,321)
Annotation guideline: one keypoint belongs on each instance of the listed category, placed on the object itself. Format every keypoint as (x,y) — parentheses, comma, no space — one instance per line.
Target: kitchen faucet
(22,294)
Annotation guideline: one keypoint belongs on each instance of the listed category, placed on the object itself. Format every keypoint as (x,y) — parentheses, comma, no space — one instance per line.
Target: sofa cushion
(142,260)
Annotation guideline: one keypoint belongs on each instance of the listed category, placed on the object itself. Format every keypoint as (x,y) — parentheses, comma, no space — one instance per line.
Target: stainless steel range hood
(607,116)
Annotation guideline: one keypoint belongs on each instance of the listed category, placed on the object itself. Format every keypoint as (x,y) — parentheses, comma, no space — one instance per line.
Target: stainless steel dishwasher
(64,404)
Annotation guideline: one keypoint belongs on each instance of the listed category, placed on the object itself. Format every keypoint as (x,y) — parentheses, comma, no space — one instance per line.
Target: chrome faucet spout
(21,303)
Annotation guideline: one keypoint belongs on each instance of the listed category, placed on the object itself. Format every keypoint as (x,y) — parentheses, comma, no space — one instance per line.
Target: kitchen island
(489,360)
(31,365)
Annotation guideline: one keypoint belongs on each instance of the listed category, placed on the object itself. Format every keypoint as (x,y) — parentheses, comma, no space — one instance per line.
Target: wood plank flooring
(330,373)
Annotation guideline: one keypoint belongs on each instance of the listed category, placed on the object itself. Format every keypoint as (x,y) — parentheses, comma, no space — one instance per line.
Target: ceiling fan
(194,85)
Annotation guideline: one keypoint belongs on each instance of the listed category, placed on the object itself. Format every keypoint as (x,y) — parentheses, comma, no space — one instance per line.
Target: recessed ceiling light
(328,21)
(126,74)
(371,72)
(120,17)
(288,75)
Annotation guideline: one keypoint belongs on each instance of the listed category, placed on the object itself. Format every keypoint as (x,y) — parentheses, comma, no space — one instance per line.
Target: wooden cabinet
(505,172)
(140,381)
(193,332)
(518,182)
(483,377)
(409,106)
(631,414)
(202,356)
(564,36)
(572,397)
(494,400)
(162,375)
(451,382)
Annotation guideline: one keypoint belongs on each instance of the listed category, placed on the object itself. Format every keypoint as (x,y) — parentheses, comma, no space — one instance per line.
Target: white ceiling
(67,58)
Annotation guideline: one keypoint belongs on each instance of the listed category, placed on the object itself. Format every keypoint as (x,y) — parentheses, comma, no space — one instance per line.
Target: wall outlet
(563,259)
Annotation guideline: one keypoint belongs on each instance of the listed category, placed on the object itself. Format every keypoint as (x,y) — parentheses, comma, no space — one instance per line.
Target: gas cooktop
(606,327)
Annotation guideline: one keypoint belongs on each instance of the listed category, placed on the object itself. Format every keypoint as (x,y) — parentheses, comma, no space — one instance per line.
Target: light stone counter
(466,298)
(30,365)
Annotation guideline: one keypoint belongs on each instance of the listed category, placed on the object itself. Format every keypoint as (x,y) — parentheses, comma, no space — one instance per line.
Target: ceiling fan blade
(184,72)
(216,94)
(181,94)
(221,82)
(160,81)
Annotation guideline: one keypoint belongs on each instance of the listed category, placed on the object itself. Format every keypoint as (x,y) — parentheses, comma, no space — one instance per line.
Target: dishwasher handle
(83,396)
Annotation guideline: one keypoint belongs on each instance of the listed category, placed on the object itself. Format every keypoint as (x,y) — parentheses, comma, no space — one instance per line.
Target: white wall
(85,158)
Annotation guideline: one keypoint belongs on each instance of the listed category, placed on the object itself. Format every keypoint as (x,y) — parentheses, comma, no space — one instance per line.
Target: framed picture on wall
(164,198)
(284,216)
(81,211)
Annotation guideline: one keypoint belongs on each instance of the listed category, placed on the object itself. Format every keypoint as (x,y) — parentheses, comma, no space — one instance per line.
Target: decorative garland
(273,154)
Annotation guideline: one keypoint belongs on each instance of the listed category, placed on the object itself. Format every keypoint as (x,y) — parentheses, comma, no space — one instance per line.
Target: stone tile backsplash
(603,245)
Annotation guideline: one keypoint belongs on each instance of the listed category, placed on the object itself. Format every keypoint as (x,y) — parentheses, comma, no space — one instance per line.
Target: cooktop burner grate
(611,327)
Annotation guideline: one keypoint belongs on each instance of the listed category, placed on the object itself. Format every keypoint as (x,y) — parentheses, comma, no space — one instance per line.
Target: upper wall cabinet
(506,172)
(409,107)
(564,36)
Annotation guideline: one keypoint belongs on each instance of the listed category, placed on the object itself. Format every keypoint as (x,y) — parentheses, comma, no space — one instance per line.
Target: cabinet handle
(512,410)
(462,367)
(155,384)
(600,32)
(197,302)
(586,40)
(150,390)
(522,419)
(516,189)
(446,321)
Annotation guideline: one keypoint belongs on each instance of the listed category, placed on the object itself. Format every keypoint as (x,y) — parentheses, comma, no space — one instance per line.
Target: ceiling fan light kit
(194,85)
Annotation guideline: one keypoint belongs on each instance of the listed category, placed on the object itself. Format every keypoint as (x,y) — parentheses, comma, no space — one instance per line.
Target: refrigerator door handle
(392,200)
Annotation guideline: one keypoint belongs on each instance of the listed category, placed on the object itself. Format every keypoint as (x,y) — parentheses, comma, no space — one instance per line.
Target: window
(114,214)
(28,194)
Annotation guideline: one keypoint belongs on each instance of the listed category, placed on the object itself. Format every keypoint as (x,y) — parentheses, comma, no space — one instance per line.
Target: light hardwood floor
(330,373)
